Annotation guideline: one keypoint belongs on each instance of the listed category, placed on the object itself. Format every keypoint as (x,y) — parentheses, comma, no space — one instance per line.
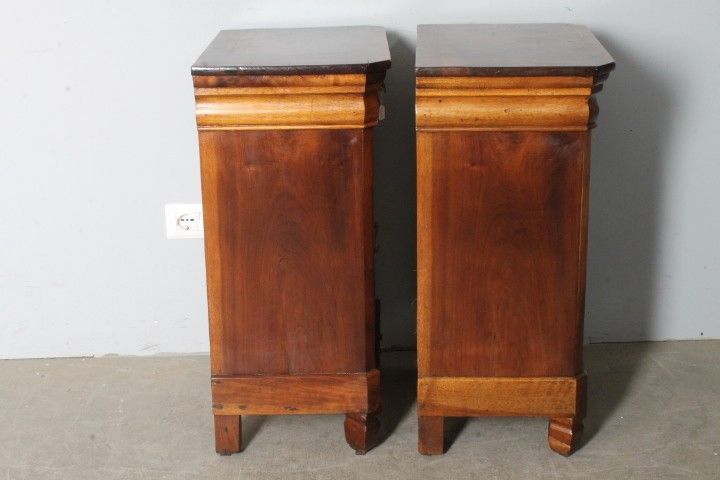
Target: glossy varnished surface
(284,119)
(503,114)
(504,103)
(262,102)
(501,253)
(288,232)
(510,50)
(294,51)
(501,396)
(296,394)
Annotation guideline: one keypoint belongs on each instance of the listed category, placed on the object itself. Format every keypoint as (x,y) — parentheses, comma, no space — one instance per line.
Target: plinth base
(357,395)
(561,399)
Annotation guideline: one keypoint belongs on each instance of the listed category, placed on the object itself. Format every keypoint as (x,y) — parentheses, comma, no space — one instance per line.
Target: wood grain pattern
(500,218)
(504,103)
(288,236)
(228,434)
(503,115)
(286,165)
(296,394)
(500,396)
(361,430)
(564,434)
(350,82)
(320,101)
(450,83)
(431,435)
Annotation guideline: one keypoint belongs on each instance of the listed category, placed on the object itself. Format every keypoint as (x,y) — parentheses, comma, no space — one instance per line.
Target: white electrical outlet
(184,220)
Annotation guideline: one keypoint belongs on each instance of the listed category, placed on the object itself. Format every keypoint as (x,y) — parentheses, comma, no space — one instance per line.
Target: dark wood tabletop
(295,51)
(513,49)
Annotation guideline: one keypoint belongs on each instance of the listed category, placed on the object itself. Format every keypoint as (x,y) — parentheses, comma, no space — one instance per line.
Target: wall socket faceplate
(184,220)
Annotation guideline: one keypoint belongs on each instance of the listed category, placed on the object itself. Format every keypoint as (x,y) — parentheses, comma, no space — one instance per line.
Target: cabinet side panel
(284,238)
(500,277)
(372,327)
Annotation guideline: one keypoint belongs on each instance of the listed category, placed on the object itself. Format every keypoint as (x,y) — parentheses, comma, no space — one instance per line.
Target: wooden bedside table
(503,119)
(285,123)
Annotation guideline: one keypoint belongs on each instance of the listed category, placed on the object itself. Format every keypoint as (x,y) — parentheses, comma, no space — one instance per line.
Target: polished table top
(295,51)
(510,50)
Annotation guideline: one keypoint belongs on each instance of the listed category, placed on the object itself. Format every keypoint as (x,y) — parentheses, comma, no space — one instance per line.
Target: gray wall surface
(98,134)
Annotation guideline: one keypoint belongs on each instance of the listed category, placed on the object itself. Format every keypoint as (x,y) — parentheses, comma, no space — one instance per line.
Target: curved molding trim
(505,103)
(278,103)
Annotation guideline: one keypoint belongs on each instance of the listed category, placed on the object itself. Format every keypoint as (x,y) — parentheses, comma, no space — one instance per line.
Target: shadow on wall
(628,167)
(395,200)
(625,201)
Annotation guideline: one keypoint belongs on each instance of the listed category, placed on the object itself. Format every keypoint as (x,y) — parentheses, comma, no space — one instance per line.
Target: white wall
(98,133)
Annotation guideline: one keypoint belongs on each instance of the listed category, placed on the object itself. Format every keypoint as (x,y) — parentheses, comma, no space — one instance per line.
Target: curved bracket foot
(564,434)
(361,431)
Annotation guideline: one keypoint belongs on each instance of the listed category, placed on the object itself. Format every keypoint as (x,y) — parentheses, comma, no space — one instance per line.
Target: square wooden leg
(431,433)
(228,434)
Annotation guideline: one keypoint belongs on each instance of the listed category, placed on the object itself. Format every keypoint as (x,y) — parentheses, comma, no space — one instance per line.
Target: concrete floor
(654,412)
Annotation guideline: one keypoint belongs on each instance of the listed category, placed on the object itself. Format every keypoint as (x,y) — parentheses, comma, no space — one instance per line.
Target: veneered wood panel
(549,104)
(288,234)
(232,110)
(296,394)
(501,218)
(501,396)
